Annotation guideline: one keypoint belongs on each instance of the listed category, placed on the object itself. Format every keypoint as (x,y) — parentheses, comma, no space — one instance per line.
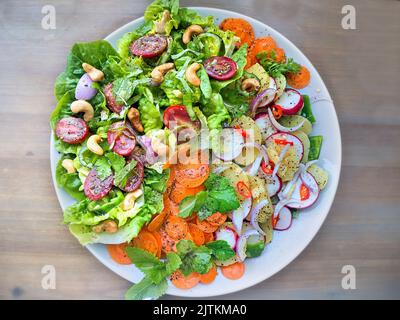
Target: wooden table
(361,69)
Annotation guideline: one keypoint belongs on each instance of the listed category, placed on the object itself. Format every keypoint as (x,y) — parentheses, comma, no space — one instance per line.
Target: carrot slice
(209,276)
(241,28)
(234,271)
(205,226)
(180,192)
(208,237)
(118,254)
(216,219)
(182,282)
(261,44)
(171,179)
(197,234)
(157,236)
(192,175)
(168,244)
(299,80)
(146,241)
(176,227)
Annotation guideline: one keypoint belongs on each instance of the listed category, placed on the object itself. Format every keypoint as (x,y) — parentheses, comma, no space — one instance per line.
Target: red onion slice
(280,127)
(254,216)
(263,99)
(240,213)
(241,244)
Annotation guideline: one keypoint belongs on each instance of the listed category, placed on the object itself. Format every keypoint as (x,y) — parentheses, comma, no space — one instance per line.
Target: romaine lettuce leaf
(70,182)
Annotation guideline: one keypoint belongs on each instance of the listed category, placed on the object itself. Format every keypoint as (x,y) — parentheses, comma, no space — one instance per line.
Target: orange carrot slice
(118,254)
(234,271)
(182,282)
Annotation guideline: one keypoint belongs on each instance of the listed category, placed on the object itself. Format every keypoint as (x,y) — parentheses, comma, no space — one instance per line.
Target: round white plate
(286,245)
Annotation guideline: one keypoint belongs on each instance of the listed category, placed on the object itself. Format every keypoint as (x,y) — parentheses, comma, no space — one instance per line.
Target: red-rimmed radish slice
(284,219)
(149,46)
(227,234)
(240,213)
(280,127)
(291,101)
(72,130)
(273,182)
(241,245)
(264,123)
(263,99)
(291,139)
(298,200)
(227,144)
(95,188)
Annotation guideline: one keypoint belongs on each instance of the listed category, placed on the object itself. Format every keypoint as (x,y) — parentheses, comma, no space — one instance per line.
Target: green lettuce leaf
(70,182)
(215,111)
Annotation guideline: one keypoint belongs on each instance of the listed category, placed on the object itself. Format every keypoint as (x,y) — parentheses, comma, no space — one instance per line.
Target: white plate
(287,245)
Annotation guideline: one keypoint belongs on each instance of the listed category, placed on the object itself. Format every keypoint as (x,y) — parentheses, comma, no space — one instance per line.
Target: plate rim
(194,294)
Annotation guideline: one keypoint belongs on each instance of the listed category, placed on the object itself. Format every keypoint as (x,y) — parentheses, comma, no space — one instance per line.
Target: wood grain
(361,69)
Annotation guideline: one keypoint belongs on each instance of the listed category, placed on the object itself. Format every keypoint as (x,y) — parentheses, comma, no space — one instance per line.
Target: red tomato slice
(176,116)
(121,138)
(72,130)
(135,178)
(95,188)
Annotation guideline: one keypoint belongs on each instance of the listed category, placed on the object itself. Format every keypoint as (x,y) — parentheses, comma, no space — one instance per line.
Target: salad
(186,148)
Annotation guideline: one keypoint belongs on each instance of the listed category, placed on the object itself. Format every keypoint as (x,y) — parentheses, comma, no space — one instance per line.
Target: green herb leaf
(117,162)
(103,168)
(273,68)
(194,259)
(121,177)
(221,250)
(146,289)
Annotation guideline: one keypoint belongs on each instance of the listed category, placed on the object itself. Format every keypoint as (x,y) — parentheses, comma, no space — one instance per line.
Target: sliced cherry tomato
(72,130)
(267,168)
(135,177)
(111,101)
(149,46)
(95,188)
(176,116)
(121,138)
(283,142)
(304,192)
(220,68)
(277,111)
(243,189)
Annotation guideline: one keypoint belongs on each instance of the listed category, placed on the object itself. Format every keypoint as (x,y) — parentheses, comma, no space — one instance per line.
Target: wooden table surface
(361,69)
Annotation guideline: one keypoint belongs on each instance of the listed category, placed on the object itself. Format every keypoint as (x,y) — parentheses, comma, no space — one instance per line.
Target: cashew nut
(130,198)
(190,31)
(68,165)
(158,145)
(83,106)
(177,93)
(250,85)
(158,72)
(160,25)
(94,74)
(134,117)
(108,226)
(191,74)
(93,144)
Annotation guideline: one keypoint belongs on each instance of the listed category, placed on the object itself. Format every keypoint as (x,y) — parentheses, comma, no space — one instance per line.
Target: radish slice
(284,219)
(295,199)
(264,123)
(254,213)
(240,213)
(291,101)
(227,144)
(290,138)
(227,234)
(241,244)
(274,183)
(263,99)
(272,84)
(280,127)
